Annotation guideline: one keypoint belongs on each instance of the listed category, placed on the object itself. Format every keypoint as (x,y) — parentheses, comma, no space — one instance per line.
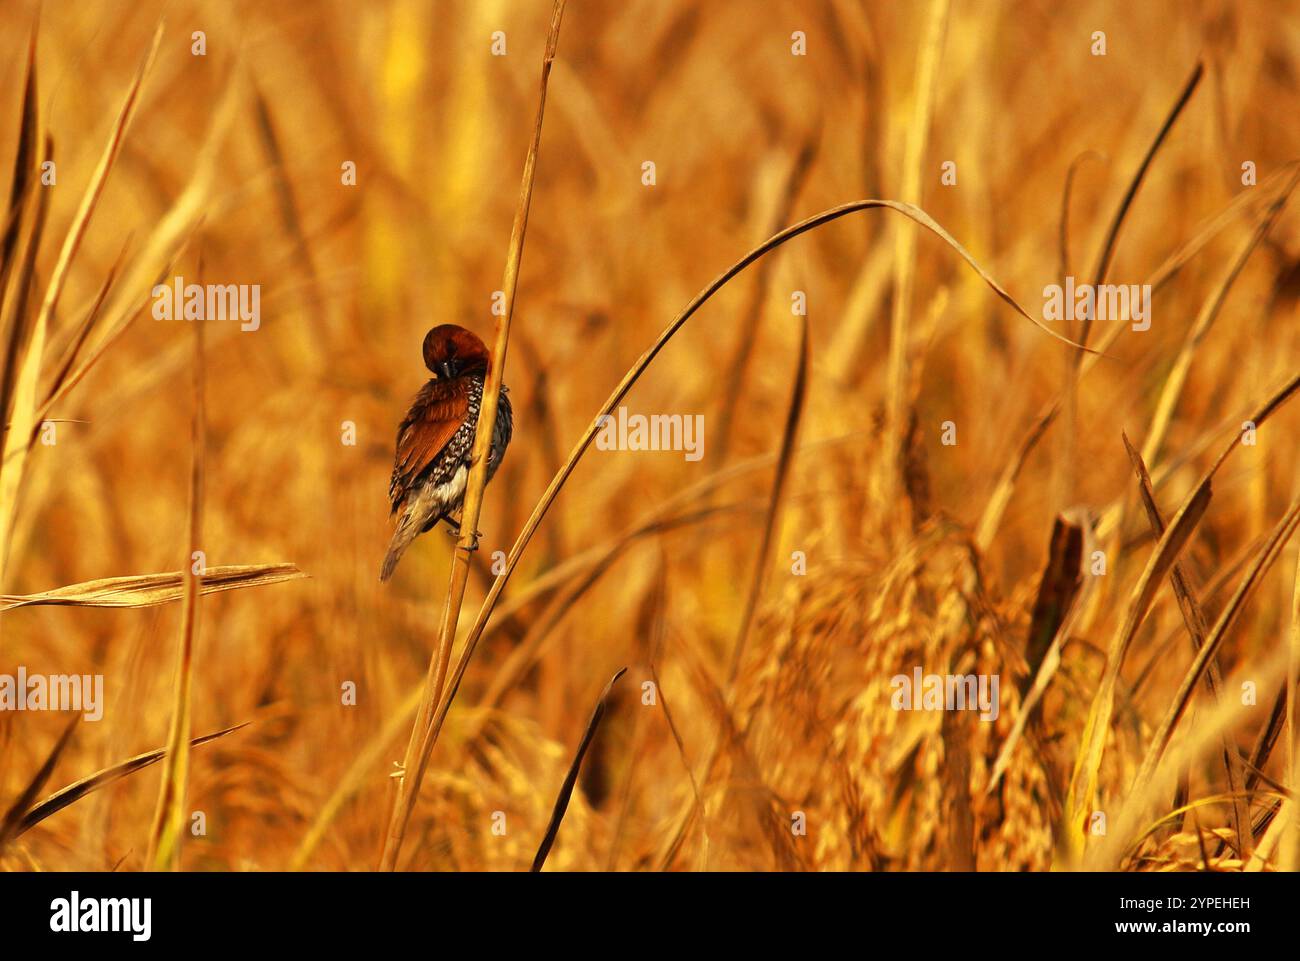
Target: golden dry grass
(917,553)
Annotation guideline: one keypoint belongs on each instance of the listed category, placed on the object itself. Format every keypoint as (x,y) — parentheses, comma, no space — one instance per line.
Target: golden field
(891,508)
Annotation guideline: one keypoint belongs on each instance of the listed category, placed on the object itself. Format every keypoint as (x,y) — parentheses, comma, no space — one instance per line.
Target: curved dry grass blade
(78,789)
(420,744)
(149,590)
(10,825)
(169,816)
(643,363)
(570,779)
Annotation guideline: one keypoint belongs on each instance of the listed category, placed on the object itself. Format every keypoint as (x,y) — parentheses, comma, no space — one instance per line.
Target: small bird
(436,438)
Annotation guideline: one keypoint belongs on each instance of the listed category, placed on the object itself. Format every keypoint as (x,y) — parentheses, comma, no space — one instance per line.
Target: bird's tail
(414,522)
(402,538)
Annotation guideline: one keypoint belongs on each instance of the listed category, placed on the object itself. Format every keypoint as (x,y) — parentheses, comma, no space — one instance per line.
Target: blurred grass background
(353,276)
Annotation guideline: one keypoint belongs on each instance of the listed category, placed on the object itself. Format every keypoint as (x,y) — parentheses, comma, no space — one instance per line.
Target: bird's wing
(436,414)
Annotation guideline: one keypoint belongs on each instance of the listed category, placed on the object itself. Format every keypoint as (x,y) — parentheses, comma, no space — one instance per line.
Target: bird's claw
(455,533)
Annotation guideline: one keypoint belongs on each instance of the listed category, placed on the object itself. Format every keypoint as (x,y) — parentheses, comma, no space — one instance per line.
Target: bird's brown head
(451,351)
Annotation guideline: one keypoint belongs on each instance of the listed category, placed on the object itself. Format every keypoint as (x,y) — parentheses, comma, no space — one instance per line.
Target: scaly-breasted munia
(436,438)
